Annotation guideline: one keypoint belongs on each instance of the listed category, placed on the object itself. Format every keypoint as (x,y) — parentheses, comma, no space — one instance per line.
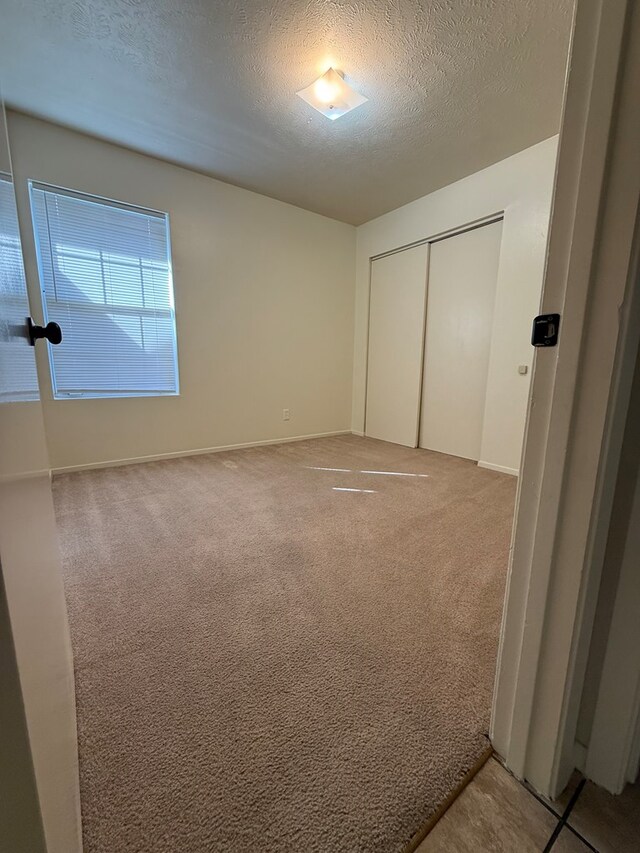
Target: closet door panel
(463,273)
(396,342)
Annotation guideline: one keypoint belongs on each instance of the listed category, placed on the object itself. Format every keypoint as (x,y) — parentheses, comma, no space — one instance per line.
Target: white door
(396,341)
(463,273)
(39,791)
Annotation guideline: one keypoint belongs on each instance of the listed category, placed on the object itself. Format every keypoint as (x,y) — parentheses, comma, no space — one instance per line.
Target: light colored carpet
(265,663)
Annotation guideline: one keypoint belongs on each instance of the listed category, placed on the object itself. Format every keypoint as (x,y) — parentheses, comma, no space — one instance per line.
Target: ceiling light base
(331,95)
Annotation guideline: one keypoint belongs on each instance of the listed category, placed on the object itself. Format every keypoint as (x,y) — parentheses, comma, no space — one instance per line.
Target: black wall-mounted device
(545,330)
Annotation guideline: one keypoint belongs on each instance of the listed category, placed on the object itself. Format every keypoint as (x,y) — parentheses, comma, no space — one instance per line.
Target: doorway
(525,688)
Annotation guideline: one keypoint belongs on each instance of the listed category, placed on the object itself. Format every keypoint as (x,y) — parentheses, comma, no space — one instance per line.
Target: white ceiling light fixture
(331,96)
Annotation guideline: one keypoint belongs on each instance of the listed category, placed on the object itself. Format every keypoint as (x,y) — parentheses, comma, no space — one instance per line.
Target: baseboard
(514,472)
(501,468)
(357,432)
(25,475)
(201,451)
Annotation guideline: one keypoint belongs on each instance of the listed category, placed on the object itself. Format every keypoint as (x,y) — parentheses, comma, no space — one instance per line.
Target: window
(105,274)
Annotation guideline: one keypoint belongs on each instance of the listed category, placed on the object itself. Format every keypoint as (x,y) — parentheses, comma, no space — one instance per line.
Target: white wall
(521,187)
(622,521)
(264,296)
(265,300)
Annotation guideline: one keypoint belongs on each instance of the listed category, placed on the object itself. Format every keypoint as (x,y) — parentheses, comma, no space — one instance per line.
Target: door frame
(443,235)
(579,397)
(611,759)
(613,751)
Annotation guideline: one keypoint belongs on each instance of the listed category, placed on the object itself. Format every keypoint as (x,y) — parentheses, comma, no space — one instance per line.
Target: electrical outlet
(286,414)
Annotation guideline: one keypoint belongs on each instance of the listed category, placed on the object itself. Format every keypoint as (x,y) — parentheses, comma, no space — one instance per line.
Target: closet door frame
(498,216)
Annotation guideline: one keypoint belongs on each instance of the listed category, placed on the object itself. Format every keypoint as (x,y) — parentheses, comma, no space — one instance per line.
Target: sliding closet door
(396,341)
(463,273)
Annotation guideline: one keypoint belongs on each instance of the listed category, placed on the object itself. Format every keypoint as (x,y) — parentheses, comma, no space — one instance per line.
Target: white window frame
(170,312)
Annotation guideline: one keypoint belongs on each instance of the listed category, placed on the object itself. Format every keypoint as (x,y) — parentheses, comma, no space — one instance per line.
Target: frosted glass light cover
(331,96)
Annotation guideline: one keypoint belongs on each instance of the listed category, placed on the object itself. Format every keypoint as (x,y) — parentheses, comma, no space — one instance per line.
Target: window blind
(105,273)
(18,377)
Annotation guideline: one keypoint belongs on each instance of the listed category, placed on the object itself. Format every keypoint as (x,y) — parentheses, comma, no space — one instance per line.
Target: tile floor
(496,814)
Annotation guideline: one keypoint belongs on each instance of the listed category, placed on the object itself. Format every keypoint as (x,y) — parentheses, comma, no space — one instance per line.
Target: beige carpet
(265,662)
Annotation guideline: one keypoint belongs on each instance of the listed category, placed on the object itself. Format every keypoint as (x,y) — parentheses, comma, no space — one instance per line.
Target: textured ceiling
(453,85)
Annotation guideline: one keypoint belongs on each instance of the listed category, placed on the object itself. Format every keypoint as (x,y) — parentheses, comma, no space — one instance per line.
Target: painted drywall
(264,295)
(622,521)
(520,187)
(613,755)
